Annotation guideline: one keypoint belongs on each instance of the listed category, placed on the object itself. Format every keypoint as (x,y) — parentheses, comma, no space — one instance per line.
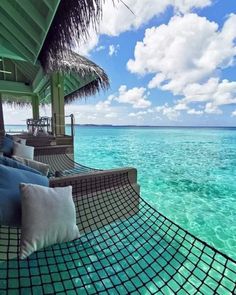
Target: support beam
(58,108)
(2,129)
(15,87)
(35,107)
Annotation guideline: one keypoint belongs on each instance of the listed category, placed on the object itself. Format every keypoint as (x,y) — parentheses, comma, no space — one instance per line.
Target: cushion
(10,200)
(15,164)
(7,146)
(41,167)
(19,140)
(23,151)
(48,217)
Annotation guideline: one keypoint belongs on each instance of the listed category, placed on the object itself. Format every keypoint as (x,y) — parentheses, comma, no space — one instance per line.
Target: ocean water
(188,174)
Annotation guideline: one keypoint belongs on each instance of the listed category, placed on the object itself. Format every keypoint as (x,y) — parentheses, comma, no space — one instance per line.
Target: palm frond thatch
(71,21)
(92,76)
(87,90)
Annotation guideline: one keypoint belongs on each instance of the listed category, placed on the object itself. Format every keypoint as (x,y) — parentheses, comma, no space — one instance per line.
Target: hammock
(127,247)
(62,164)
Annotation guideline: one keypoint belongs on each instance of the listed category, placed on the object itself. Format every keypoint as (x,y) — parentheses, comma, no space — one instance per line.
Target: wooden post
(35,106)
(2,129)
(58,108)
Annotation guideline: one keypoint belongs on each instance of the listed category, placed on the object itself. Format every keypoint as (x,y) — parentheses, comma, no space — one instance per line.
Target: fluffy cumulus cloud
(170,112)
(137,97)
(185,54)
(133,15)
(142,11)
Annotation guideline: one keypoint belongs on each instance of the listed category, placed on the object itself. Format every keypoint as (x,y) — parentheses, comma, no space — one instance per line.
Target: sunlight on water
(187,174)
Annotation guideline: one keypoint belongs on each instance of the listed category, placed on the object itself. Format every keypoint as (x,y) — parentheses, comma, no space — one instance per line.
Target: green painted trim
(35,106)
(12,12)
(40,81)
(15,88)
(58,104)
(2,129)
(7,50)
(15,43)
(36,17)
(17,33)
(49,22)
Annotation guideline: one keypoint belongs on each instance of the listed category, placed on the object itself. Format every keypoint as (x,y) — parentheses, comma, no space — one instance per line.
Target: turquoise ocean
(188,174)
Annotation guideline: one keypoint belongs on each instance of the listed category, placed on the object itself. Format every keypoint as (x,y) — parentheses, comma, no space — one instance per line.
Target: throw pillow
(41,167)
(48,217)
(10,200)
(23,151)
(7,146)
(11,162)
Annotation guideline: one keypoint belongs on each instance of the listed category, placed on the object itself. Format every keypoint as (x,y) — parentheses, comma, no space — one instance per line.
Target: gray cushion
(48,217)
(41,167)
(23,151)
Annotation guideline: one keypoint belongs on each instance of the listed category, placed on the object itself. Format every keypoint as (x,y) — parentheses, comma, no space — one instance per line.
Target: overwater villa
(66,228)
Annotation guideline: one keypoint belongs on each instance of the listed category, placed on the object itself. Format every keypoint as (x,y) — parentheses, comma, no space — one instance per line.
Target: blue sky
(172,62)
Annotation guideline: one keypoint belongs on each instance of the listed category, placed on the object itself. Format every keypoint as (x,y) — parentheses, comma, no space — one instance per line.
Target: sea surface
(188,174)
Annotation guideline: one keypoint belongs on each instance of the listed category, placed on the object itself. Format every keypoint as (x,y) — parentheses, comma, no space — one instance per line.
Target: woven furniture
(127,247)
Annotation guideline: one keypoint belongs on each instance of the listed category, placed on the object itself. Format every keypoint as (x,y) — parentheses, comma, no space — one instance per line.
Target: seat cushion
(48,217)
(41,167)
(16,164)
(7,146)
(10,200)
(24,151)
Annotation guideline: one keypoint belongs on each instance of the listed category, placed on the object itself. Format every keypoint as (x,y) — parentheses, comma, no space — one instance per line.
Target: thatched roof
(71,21)
(93,78)
(48,31)
(82,77)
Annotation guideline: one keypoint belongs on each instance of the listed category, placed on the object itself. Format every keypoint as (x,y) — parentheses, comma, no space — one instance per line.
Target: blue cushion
(15,164)
(7,146)
(10,199)
(9,136)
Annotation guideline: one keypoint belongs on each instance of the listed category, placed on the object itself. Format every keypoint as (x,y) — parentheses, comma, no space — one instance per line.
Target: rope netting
(62,164)
(127,247)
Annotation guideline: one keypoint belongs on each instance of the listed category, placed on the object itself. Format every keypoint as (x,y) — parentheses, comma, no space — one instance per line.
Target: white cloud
(186,56)
(85,46)
(186,50)
(113,49)
(117,18)
(194,112)
(100,48)
(111,115)
(212,109)
(233,114)
(181,107)
(123,20)
(137,97)
(219,92)
(170,112)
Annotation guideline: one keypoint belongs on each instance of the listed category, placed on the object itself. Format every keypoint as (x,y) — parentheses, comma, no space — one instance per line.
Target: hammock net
(137,252)
(62,165)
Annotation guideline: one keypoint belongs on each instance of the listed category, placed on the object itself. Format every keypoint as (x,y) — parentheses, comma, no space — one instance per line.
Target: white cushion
(41,167)
(48,217)
(19,140)
(23,151)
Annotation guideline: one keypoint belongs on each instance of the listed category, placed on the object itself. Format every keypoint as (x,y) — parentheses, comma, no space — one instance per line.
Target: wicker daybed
(127,247)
